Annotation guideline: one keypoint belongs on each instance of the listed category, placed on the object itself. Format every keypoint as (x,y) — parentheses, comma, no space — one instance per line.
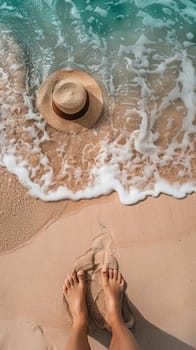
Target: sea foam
(143,56)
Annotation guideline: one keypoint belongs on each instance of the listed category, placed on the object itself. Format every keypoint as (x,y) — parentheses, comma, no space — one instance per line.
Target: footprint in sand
(100,254)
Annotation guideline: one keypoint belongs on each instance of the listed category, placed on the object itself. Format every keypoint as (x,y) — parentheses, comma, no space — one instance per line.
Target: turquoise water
(143,53)
(52,32)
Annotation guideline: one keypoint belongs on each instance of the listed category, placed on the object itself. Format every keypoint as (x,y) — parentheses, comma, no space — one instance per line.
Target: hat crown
(69,97)
(63,108)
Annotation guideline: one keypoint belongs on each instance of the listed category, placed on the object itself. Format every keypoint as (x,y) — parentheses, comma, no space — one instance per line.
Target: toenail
(80,274)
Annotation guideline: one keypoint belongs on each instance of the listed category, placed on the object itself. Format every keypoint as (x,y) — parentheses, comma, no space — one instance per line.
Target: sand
(154,242)
(21,215)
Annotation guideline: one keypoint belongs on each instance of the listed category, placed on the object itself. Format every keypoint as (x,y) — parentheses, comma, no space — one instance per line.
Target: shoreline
(24,216)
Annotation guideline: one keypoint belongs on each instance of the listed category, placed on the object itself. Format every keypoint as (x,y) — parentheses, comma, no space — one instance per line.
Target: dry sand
(154,242)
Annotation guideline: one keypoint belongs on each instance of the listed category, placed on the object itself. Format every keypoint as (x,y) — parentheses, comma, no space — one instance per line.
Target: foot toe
(110,273)
(104,274)
(75,277)
(119,277)
(70,281)
(67,283)
(64,289)
(81,276)
(122,282)
(115,274)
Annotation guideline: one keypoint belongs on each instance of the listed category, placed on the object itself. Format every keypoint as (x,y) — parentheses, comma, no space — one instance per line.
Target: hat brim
(89,119)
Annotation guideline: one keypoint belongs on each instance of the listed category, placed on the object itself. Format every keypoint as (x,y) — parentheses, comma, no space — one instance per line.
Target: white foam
(100,11)
(134,151)
(5,6)
(153,22)
(190,36)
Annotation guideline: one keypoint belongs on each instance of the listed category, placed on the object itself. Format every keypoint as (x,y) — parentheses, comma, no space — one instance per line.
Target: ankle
(80,324)
(115,321)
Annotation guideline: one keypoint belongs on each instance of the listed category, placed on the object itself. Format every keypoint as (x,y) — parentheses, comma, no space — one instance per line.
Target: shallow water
(143,53)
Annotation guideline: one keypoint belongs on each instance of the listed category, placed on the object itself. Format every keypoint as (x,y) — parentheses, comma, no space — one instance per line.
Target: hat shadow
(148,336)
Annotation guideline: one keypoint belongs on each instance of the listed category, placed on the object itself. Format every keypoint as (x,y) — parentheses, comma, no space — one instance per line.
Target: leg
(113,286)
(75,293)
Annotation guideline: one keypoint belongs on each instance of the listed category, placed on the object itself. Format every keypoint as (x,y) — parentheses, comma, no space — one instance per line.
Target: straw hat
(70,100)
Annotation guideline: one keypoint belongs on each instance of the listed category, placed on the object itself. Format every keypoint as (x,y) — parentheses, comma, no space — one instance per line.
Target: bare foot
(74,290)
(113,287)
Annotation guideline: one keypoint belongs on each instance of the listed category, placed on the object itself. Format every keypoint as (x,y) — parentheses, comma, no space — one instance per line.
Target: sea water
(143,54)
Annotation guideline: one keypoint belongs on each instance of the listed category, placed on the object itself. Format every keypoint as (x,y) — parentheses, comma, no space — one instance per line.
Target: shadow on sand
(148,336)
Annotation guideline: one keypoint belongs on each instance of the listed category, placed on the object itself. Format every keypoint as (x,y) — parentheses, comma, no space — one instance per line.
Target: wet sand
(131,148)
(154,243)
(21,215)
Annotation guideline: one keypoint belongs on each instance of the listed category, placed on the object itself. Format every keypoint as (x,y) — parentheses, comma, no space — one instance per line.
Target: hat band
(73,116)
